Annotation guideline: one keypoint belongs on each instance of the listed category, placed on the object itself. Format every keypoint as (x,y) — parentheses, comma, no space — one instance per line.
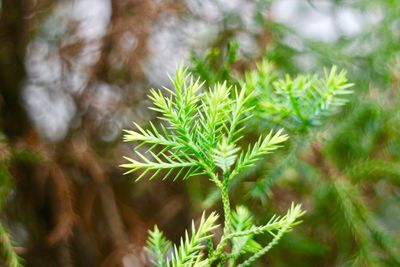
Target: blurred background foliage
(73,74)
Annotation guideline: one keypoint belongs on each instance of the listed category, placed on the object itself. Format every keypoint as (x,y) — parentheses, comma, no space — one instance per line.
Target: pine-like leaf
(157,247)
(282,226)
(242,221)
(262,147)
(275,223)
(189,252)
(225,155)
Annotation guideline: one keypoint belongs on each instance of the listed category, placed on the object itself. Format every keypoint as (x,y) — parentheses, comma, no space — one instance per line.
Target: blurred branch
(357,215)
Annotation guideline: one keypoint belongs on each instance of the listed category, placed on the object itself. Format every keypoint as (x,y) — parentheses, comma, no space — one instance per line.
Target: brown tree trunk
(14,121)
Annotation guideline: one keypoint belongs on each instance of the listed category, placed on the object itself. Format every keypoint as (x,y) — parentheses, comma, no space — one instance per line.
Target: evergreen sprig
(189,252)
(286,224)
(300,102)
(199,135)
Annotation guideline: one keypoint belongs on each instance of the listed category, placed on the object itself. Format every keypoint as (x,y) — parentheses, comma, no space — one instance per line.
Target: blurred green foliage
(346,166)
(8,254)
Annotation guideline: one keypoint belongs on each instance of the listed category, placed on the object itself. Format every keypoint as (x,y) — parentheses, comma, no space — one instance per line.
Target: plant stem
(227,209)
(224,189)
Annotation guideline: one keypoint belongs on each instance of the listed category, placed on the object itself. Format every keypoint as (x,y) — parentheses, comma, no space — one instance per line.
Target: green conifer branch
(199,136)
(291,219)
